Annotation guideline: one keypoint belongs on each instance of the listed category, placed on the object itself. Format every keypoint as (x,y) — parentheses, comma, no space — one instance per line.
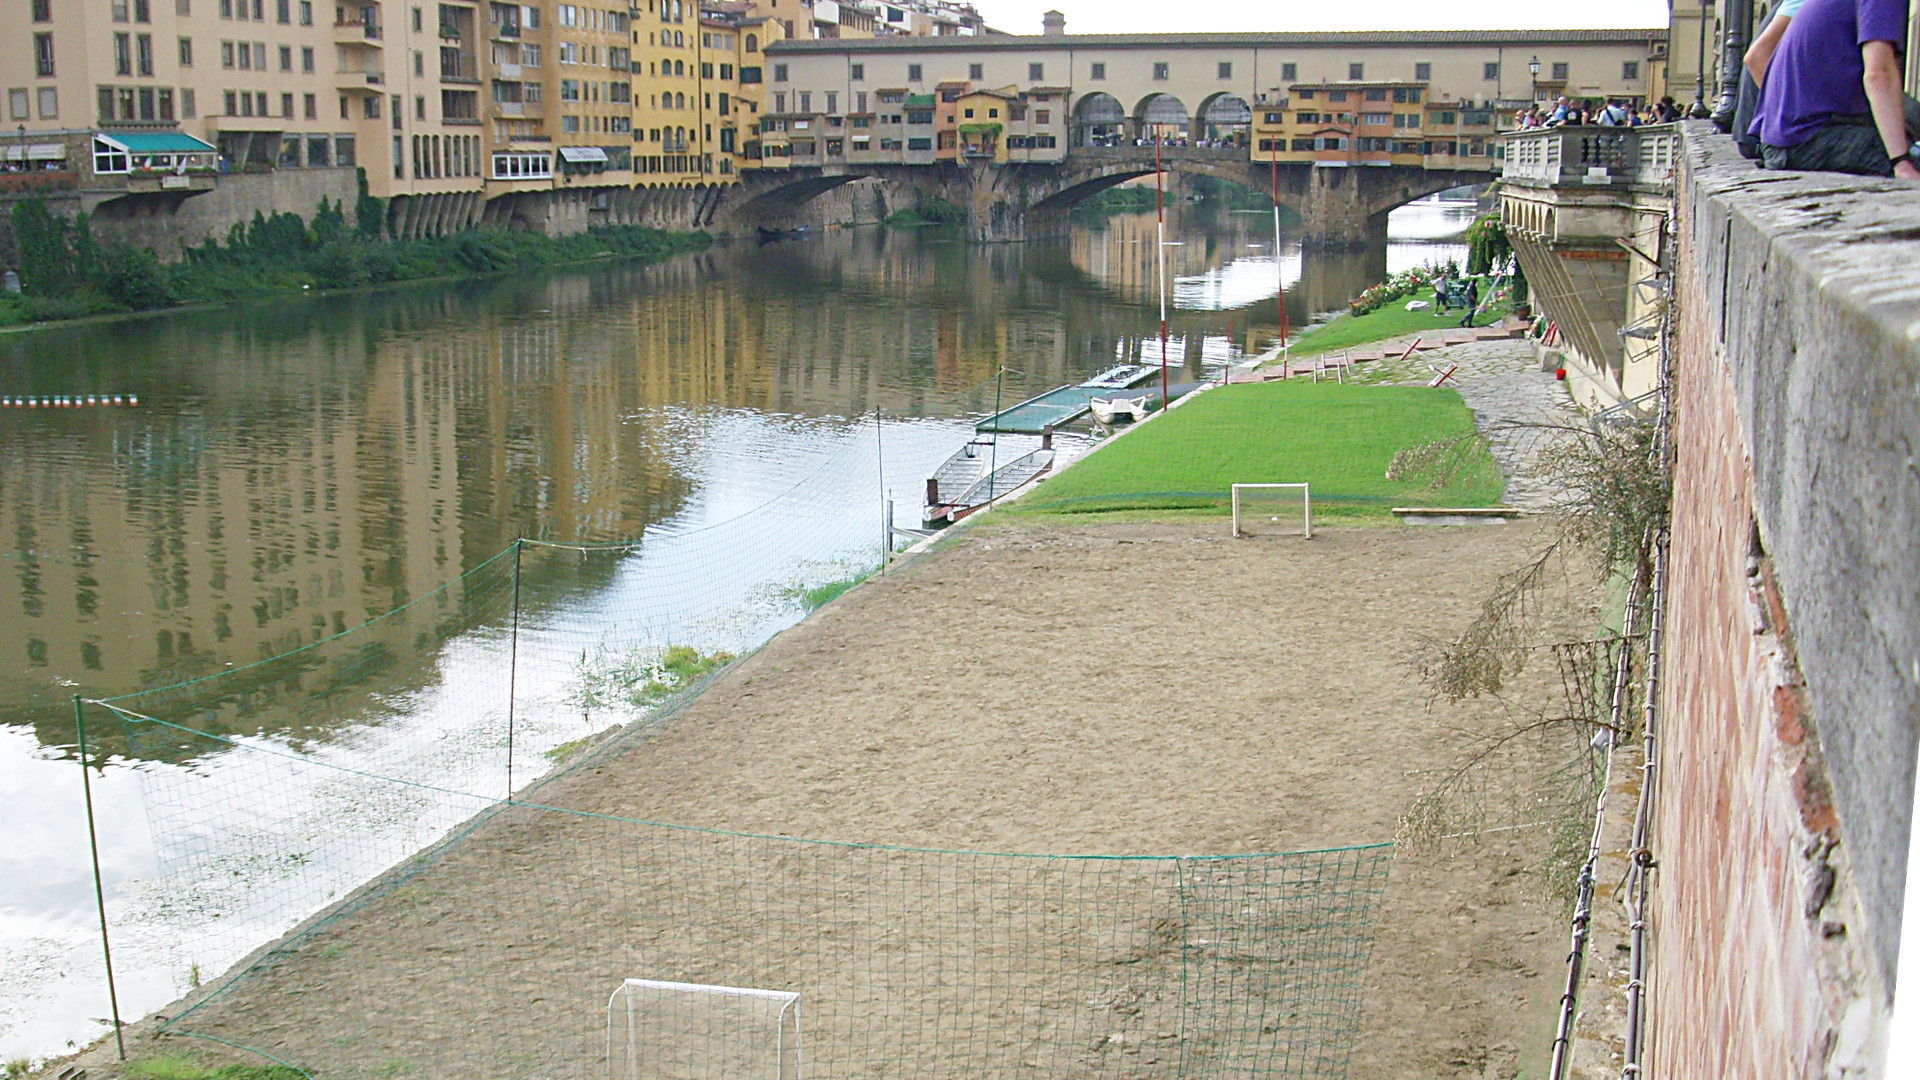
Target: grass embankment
(1391,321)
(1338,438)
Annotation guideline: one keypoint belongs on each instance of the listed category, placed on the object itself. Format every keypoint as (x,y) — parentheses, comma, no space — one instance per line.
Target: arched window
(679,67)
(679,101)
(753,43)
(679,40)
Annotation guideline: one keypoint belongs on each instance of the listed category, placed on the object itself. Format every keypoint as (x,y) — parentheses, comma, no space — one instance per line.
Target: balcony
(531,110)
(357,33)
(1591,156)
(192,183)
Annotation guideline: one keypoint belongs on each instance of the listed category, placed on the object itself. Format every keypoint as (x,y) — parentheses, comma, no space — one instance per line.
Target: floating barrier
(66,401)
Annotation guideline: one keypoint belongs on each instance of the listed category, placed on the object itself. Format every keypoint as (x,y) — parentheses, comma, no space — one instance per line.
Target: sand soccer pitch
(1031,687)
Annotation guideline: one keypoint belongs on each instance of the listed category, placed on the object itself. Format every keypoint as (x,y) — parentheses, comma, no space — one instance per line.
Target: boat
(770,235)
(1119,409)
(964,484)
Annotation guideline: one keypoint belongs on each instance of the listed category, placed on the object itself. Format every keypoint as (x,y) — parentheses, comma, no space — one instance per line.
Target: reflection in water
(298,467)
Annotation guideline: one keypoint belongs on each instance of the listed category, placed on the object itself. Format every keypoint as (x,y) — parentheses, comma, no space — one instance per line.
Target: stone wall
(1792,698)
(170,228)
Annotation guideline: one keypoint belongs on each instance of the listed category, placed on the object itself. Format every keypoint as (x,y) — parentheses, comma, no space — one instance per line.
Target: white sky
(1171,16)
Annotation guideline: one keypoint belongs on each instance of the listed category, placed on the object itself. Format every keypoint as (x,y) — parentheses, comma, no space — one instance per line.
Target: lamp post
(23,148)
(1533,87)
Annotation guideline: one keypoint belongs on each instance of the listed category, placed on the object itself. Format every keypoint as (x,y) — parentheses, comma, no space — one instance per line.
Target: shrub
(133,277)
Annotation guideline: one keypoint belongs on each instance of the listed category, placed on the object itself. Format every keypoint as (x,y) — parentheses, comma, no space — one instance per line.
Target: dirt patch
(1041,688)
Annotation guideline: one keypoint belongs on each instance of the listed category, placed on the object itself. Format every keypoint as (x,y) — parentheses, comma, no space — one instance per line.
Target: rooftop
(1010,42)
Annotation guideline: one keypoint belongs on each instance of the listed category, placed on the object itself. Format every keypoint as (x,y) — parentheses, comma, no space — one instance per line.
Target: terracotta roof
(1010,42)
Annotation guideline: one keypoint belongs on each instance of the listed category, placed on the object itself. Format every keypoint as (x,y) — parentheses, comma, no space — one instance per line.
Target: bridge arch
(1223,118)
(1099,120)
(1160,111)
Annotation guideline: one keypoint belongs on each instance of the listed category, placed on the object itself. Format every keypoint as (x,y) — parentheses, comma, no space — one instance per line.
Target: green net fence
(370,802)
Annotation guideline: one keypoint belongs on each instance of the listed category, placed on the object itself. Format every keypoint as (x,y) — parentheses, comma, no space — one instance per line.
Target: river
(297,467)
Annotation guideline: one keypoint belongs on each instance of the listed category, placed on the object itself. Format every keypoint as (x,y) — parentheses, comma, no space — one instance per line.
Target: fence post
(513,660)
(99,891)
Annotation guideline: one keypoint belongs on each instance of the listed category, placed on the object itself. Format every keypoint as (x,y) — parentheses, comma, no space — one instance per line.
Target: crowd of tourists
(1608,112)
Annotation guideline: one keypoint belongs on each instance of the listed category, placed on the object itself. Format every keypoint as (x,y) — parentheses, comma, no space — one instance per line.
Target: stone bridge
(1342,207)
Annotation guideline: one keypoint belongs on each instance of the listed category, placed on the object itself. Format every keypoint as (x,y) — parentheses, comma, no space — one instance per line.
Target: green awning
(157,142)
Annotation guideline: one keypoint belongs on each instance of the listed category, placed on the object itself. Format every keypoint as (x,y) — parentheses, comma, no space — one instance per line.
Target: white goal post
(692,1031)
(1246,515)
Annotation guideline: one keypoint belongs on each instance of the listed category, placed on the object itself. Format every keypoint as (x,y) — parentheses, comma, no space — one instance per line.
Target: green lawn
(1339,438)
(1392,321)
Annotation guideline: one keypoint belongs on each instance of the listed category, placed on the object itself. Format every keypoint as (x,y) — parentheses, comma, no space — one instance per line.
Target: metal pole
(1279,270)
(1160,252)
(513,661)
(886,505)
(99,891)
(1738,15)
(993,454)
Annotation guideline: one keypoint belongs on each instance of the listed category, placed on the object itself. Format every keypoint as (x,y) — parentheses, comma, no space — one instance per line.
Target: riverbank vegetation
(66,272)
(1339,438)
(931,211)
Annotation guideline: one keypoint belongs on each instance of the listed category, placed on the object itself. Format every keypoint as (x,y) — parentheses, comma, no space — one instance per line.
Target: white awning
(583,155)
(35,152)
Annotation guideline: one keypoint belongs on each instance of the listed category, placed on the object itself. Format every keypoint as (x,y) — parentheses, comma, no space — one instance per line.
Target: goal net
(691,1031)
(1272,510)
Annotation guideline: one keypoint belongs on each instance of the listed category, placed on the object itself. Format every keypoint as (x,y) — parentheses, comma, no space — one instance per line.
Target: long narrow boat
(946,505)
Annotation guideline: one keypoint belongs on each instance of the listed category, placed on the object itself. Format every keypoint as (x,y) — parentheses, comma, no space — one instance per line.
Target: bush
(134,278)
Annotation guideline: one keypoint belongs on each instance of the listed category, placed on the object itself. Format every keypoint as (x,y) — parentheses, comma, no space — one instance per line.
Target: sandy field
(1097,689)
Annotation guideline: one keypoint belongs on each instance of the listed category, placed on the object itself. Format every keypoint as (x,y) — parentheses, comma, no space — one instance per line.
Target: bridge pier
(1336,211)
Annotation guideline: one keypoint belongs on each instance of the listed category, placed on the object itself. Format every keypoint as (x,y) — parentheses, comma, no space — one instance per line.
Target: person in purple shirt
(1831,97)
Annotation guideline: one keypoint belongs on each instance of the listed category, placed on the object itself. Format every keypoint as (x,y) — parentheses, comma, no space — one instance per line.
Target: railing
(353,29)
(1591,156)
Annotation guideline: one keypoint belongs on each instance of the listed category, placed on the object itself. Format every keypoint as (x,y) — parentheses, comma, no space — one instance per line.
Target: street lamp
(1533,70)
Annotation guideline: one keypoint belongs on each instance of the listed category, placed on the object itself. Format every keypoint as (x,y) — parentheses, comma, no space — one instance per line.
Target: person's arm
(1882,83)
(1761,53)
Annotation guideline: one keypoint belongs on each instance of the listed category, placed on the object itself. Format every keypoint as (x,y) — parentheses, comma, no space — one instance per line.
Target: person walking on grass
(1472,299)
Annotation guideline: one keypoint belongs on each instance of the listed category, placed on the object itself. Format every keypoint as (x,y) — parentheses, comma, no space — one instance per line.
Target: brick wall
(1787,737)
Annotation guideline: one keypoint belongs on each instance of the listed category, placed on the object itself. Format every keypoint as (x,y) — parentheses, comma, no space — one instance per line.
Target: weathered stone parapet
(1792,707)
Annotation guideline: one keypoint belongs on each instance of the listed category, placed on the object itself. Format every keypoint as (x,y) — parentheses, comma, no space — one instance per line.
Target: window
(1289,72)
(806,101)
(1377,95)
(417,23)
(189,108)
(529,55)
(915,73)
(1560,71)
(1043,116)
(186,52)
(143,54)
(123,54)
(17,101)
(858,72)
(1226,70)
(286,58)
(779,73)
(108,158)
(1630,70)
(1446,117)
(306,59)
(420,106)
(1379,119)
(283,11)
(42,10)
(286,106)
(976,72)
(1356,72)
(1423,72)
(119,9)
(306,12)
(1036,72)
(753,43)
(1491,72)
(1334,95)
(1160,71)
(1097,72)
(142,11)
(833,102)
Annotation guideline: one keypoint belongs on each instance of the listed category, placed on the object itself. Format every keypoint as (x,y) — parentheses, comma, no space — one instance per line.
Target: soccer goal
(691,1031)
(1272,510)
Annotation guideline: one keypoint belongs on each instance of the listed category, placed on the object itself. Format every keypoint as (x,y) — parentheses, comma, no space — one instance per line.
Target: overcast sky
(1174,16)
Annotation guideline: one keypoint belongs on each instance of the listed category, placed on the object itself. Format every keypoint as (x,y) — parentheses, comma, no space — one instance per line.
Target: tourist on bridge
(1831,97)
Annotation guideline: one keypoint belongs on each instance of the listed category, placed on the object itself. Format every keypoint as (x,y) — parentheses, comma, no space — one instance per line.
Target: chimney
(1053,24)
